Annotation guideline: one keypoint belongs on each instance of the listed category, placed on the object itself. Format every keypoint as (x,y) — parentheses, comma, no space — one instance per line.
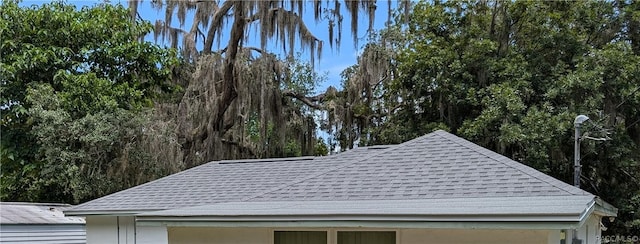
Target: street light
(576,163)
(577,168)
(576,157)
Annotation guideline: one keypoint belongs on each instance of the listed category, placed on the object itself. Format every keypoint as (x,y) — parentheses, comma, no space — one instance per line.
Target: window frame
(332,233)
(273,233)
(395,234)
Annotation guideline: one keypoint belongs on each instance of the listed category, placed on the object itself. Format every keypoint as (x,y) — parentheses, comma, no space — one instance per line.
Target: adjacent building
(39,223)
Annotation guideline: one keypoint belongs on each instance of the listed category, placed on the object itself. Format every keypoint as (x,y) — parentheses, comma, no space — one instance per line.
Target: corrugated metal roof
(438,165)
(36,213)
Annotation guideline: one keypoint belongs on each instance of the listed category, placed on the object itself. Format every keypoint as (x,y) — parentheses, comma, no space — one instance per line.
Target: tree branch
(313,101)
(215,22)
(248,48)
(229,92)
(375,86)
(378,115)
(237,144)
(303,28)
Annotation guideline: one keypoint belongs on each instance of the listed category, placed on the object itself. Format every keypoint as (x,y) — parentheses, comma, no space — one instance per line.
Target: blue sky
(333,61)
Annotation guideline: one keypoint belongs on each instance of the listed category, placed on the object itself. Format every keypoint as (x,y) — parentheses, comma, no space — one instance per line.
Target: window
(366,237)
(300,237)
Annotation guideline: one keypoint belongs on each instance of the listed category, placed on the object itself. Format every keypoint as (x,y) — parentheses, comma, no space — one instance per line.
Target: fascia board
(368,224)
(108,212)
(603,208)
(379,218)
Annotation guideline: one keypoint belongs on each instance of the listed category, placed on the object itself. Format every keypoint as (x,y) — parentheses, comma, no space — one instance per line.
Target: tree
(511,76)
(357,114)
(76,89)
(237,103)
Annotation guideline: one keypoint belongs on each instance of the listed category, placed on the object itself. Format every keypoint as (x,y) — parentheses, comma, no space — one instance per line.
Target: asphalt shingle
(438,165)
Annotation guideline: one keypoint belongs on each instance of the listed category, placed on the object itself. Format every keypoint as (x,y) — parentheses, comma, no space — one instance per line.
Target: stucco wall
(197,235)
(123,230)
(151,235)
(425,236)
(102,229)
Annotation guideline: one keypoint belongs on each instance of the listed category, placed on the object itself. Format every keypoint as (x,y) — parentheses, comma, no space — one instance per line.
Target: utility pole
(577,167)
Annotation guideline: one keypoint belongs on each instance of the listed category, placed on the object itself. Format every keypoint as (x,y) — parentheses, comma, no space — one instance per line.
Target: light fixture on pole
(577,168)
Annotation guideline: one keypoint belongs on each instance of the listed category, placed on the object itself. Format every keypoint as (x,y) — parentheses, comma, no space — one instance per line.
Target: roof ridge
(379,151)
(262,160)
(267,160)
(509,162)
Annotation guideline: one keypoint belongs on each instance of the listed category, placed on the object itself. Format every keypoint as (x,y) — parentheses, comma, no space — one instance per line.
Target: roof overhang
(361,224)
(605,209)
(555,212)
(130,212)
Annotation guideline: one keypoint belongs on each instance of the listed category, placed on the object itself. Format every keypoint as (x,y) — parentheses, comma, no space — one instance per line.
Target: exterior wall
(197,235)
(425,236)
(123,230)
(42,233)
(590,232)
(111,230)
(151,235)
(102,229)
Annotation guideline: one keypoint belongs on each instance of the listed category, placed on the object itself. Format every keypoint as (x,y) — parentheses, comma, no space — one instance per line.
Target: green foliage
(74,90)
(512,76)
(84,93)
(286,131)
(292,149)
(301,77)
(88,156)
(321,148)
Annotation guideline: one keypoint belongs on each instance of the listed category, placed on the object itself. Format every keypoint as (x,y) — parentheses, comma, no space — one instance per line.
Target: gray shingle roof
(438,165)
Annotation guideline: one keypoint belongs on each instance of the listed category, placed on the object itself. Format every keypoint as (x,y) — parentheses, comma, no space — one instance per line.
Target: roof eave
(603,208)
(129,212)
(431,218)
(476,224)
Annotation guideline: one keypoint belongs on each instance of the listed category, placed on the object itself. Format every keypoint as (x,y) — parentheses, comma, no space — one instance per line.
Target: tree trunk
(229,83)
